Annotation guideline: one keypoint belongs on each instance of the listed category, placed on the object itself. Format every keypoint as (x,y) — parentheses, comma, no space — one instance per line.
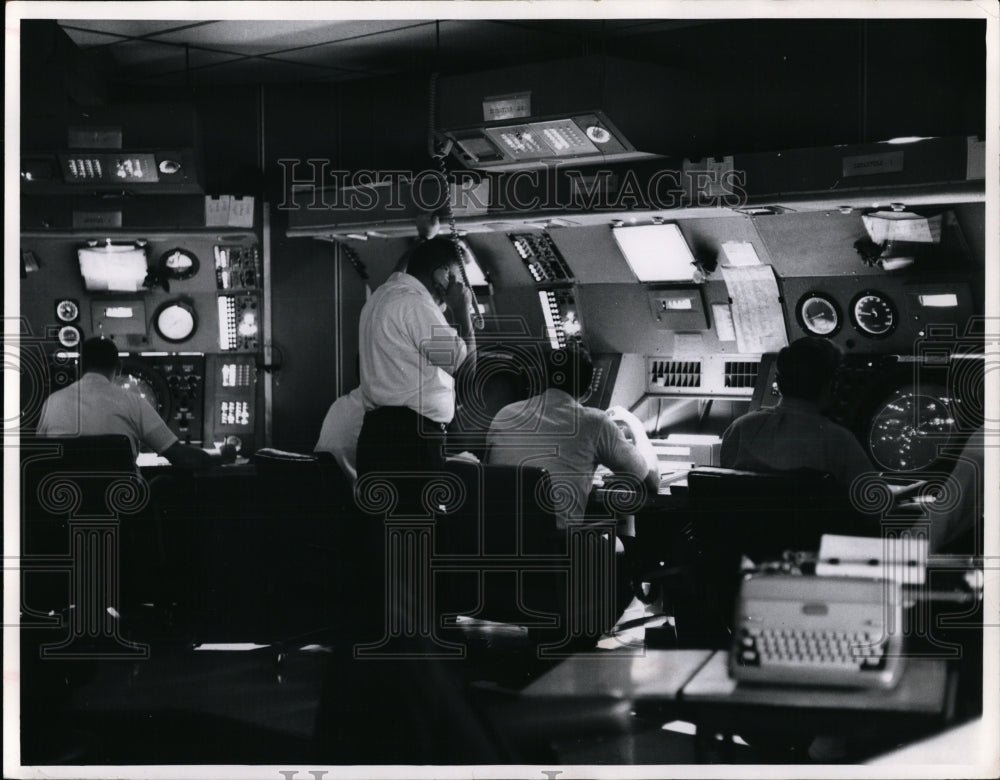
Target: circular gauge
(874,314)
(69,336)
(598,134)
(175,321)
(909,427)
(67,310)
(140,379)
(818,314)
(179,264)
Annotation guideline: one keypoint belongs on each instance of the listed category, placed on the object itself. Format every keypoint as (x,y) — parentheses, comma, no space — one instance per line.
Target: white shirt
(93,406)
(340,431)
(553,431)
(793,435)
(401,329)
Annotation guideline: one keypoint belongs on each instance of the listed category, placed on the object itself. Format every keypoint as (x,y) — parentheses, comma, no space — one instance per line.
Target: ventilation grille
(741,373)
(541,257)
(676,373)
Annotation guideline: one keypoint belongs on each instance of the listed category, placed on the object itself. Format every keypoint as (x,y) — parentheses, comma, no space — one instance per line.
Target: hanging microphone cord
(439,151)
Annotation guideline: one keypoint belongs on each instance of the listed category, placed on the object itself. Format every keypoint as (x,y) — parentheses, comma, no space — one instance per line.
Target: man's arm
(187,457)
(642,445)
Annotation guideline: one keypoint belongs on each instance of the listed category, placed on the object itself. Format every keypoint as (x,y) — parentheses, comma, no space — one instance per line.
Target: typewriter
(824,631)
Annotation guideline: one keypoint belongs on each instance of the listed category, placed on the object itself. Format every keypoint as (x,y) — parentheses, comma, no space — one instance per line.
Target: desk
(627,674)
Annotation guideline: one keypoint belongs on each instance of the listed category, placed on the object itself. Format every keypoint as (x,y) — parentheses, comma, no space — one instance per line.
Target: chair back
(73,479)
(507,513)
(743,513)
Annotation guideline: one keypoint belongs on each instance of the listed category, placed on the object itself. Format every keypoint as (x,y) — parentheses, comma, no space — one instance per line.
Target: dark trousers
(395,439)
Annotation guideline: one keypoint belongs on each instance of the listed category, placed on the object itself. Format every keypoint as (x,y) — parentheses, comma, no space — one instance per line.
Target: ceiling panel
(145,57)
(255,37)
(260,70)
(129,27)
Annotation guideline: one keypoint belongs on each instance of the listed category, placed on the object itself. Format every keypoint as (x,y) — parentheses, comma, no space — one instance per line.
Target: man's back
(554,432)
(793,436)
(93,406)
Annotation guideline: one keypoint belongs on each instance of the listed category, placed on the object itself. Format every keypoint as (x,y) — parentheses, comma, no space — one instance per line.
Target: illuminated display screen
(119,312)
(561,321)
(108,167)
(656,253)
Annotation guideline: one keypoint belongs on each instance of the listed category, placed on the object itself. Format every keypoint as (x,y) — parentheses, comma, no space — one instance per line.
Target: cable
(438,152)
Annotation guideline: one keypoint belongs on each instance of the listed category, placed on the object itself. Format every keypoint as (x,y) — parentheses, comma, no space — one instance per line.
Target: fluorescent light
(656,253)
(939,300)
(908,139)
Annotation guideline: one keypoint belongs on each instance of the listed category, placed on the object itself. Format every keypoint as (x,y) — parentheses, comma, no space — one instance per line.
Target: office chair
(735,514)
(306,501)
(502,558)
(70,484)
(85,534)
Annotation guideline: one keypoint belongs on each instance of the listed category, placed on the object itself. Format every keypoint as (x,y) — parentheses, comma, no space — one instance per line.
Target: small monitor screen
(656,253)
(113,268)
(118,317)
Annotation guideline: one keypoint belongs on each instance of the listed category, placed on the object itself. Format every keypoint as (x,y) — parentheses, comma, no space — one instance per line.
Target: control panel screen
(237,267)
(562,323)
(239,323)
(108,167)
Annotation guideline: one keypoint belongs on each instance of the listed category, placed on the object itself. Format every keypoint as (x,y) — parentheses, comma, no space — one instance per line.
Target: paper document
(885,226)
(903,560)
(756,308)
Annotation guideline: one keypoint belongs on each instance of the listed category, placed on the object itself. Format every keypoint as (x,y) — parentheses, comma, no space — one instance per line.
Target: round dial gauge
(67,311)
(175,321)
(69,336)
(179,264)
(874,314)
(818,314)
(909,427)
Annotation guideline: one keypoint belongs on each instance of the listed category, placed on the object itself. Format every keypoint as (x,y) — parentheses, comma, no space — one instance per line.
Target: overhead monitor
(656,253)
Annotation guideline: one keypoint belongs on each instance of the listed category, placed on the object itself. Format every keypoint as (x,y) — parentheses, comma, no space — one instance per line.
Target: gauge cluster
(881,314)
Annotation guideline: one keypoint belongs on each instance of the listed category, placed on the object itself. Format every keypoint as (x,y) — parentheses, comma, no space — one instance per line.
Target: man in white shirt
(554,431)
(795,434)
(94,406)
(408,355)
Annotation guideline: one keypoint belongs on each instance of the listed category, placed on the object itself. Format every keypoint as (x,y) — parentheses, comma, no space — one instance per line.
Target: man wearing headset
(408,355)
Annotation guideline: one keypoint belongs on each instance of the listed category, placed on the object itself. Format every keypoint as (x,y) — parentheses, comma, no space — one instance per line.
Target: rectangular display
(656,253)
(108,167)
(118,318)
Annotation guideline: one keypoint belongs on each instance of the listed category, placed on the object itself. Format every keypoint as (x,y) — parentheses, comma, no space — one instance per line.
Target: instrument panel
(863,314)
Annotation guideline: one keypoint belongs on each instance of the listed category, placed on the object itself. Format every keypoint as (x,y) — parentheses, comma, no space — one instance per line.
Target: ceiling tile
(257,37)
(141,58)
(129,27)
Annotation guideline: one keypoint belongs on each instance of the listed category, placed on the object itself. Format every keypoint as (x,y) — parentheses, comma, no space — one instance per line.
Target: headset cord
(478,322)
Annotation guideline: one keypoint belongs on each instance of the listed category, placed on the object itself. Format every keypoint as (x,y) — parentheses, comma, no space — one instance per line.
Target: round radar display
(818,314)
(909,427)
(874,314)
(175,321)
(140,379)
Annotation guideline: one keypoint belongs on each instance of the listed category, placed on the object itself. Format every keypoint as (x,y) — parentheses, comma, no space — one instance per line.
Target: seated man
(340,431)
(94,406)
(795,434)
(554,431)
